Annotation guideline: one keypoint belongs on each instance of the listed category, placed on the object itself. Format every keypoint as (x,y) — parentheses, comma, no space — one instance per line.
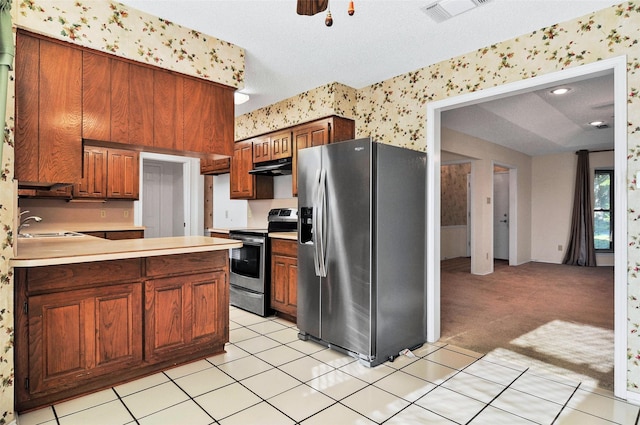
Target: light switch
(488,201)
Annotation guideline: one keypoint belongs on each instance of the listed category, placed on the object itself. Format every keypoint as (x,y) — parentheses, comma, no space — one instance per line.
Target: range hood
(278,167)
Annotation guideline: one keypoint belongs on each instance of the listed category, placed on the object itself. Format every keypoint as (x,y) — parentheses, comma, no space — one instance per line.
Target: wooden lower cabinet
(87,326)
(83,335)
(284,277)
(182,313)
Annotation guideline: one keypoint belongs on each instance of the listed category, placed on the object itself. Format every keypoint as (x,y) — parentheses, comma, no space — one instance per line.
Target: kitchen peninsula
(92,313)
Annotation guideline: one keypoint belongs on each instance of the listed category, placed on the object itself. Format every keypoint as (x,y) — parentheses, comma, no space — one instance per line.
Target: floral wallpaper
(330,99)
(453,196)
(394,111)
(123,31)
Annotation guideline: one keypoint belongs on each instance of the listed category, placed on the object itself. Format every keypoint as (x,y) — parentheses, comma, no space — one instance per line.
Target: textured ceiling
(287,54)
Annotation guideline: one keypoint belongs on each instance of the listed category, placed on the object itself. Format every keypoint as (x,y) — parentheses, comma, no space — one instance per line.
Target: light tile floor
(269,376)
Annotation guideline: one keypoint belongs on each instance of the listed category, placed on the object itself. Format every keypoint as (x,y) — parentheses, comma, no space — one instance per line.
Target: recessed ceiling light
(596,123)
(240,98)
(560,90)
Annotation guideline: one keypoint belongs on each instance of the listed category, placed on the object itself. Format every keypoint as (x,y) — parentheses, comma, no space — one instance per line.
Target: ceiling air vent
(442,10)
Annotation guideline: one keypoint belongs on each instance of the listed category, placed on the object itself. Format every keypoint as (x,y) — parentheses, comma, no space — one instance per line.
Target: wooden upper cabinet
(261,149)
(241,162)
(306,136)
(273,146)
(140,105)
(120,101)
(109,174)
(245,185)
(94,180)
(223,116)
(321,132)
(197,116)
(215,166)
(168,103)
(123,174)
(208,117)
(281,145)
(48,112)
(96,96)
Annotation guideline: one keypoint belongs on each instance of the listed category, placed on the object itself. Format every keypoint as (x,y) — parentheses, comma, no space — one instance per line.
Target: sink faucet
(24,222)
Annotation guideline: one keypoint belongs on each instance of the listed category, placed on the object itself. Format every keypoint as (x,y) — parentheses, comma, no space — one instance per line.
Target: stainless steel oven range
(250,271)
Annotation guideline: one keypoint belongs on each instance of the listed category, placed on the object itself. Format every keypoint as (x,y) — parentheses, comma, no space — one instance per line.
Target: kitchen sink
(50,235)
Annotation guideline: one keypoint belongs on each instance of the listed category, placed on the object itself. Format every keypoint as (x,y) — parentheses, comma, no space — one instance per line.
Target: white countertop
(293,236)
(84,249)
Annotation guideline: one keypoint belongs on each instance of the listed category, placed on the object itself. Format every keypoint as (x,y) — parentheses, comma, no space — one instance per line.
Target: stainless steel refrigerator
(361,248)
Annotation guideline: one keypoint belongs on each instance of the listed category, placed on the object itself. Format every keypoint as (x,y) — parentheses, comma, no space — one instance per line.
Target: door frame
(616,65)
(193,190)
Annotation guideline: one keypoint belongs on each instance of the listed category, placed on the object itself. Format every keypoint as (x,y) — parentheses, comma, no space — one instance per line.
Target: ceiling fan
(312,7)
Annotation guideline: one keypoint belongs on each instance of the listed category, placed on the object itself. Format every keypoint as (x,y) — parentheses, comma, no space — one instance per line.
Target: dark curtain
(580,251)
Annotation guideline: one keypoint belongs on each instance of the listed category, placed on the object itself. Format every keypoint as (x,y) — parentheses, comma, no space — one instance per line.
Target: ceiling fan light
(351,10)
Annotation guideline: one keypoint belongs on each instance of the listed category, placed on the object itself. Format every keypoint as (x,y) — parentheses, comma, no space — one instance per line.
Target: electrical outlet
(559,247)
(103,213)
(125,213)
(226,213)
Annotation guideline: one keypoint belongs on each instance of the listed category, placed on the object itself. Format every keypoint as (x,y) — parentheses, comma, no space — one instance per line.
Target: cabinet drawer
(81,275)
(284,247)
(186,263)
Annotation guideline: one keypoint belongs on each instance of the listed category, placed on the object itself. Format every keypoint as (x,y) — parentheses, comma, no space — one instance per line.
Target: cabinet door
(123,174)
(26,143)
(83,334)
(284,276)
(215,166)
(281,145)
(167,110)
(119,101)
(96,96)
(48,112)
(184,311)
(223,120)
(140,105)
(284,284)
(197,126)
(261,149)
(94,180)
(60,121)
(314,134)
(241,163)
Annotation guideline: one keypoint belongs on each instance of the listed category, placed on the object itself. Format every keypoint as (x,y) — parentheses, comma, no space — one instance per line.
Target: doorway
(615,66)
(163,207)
(171,196)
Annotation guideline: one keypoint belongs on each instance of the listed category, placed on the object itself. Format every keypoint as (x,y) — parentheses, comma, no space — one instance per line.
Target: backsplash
(56,213)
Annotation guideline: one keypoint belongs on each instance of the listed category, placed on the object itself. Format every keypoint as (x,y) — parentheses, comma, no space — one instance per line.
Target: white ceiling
(287,54)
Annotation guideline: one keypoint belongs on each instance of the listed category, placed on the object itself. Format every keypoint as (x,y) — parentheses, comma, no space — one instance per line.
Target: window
(603,210)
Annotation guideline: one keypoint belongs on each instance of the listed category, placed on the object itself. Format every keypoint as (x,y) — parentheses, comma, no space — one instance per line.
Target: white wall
(453,242)
(553,181)
(233,213)
(485,155)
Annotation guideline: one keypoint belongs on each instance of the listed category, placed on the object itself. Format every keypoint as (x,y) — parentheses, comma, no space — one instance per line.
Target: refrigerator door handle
(321,222)
(314,229)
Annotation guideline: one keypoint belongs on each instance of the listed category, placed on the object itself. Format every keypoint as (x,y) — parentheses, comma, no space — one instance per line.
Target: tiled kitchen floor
(269,376)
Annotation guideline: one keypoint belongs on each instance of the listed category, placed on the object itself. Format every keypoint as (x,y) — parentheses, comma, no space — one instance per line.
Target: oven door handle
(250,241)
